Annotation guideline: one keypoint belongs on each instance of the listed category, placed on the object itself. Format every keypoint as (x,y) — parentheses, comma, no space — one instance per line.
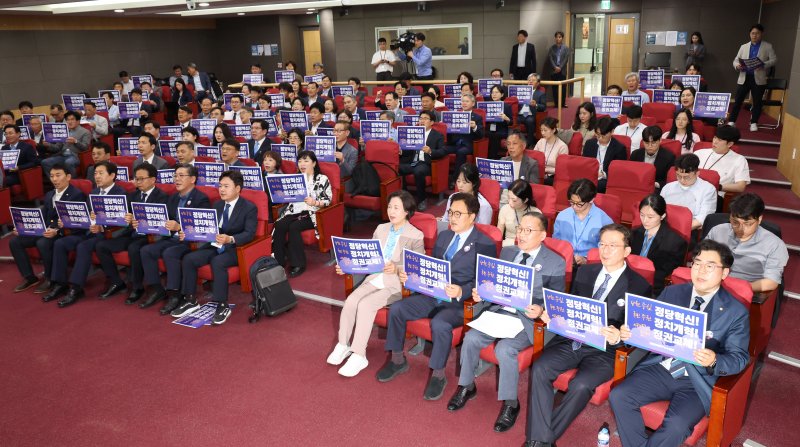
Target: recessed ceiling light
(203,5)
(119,10)
(239,13)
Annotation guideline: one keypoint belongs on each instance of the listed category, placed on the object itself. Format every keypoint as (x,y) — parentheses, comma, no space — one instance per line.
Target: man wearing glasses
(687,386)
(690,190)
(759,255)
(144,176)
(580,224)
(549,271)
(460,245)
(607,281)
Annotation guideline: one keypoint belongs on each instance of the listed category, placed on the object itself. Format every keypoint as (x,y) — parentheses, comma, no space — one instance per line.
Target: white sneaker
(353,366)
(753,127)
(340,352)
(731,123)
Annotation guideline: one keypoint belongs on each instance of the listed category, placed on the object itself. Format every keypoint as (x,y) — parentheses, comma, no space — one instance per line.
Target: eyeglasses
(141,179)
(182,175)
(577,204)
(527,231)
(456,214)
(749,223)
(603,246)
(339,130)
(707,267)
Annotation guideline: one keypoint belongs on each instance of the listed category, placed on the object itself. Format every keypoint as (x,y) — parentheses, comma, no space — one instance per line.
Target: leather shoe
(74,295)
(135,296)
(27,284)
(391,370)
(172,304)
(296,271)
(58,291)
(538,444)
(153,298)
(460,398)
(506,418)
(435,388)
(44,287)
(113,290)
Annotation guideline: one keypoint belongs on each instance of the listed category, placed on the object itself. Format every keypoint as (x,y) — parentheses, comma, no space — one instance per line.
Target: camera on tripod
(405,42)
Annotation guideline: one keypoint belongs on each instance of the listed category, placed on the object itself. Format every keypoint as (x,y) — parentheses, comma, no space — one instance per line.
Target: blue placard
(323,147)
(272,128)
(165,176)
(375,130)
(9,158)
(26,118)
(329,117)
(453,104)
(426,274)
(198,224)
(313,78)
(505,283)
(109,209)
(284,76)
(208,173)
(667,96)
(576,317)
(452,90)
(287,151)
(524,93)
(260,114)
(688,81)
(151,217)
(99,104)
(74,101)
(457,122)
(128,146)
(635,99)
(244,150)
(139,79)
(208,151)
(501,171)
(373,115)
(411,120)
(226,98)
(128,110)
(205,127)
(115,94)
(325,131)
(358,256)
(277,100)
(711,105)
(666,329)
(73,215)
(493,109)
(608,105)
(291,119)
(174,132)
(287,188)
(28,221)
(55,132)
(342,90)
(240,130)
(651,79)
(122,174)
(411,138)
(485,86)
(415,102)
(169,148)
(25,133)
(252,177)
(250,78)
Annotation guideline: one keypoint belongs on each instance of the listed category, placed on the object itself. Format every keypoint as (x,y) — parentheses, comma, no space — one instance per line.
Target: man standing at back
(383,61)
(421,56)
(558,56)
(523,57)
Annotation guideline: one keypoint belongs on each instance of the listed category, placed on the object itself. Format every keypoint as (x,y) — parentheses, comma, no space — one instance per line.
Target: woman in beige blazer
(378,289)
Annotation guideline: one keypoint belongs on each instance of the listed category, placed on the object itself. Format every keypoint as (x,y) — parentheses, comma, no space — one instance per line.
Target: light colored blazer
(411,238)
(767,56)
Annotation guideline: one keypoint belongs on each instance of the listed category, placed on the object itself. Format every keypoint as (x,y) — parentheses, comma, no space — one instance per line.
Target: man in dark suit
(607,281)
(460,245)
(105,173)
(28,157)
(549,271)
(258,144)
(687,386)
(63,191)
(523,57)
(605,149)
(186,196)
(651,153)
(229,153)
(238,220)
(461,144)
(418,163)
(201,82)
(351,105)
(147,148)
(527,112)
(316,118)
(146,192)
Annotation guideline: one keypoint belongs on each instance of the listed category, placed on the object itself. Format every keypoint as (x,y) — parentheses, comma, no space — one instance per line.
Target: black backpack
(366,181)
(272,293)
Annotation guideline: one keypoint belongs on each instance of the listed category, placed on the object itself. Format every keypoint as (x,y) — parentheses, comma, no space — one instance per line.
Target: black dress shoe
(506,418)
(435,388)
(460,398)
(135,296)
(74,295)
(27,284)
(113,290)
(44,287)
(172,304)
(153,298)
(296,271)
(57,292)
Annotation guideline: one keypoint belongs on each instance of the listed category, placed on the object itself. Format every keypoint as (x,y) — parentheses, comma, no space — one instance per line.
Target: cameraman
(383,61)
(422,57)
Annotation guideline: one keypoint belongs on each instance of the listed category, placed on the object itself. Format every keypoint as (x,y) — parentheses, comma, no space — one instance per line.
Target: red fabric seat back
(211,191)
(679,218)
(84,185)
(545,196)
(708,175)
(540,161)
(626,141)
(630,181)
(494,234)
(575,144)
(570,168)
(639,264)
(259,199)
(611,205)
(426,223)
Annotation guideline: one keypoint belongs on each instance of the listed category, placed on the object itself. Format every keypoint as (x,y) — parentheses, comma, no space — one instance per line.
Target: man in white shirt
(113,109)
(632,82)
(177,72)
(99,124)
(690,190)
(383,61)
(633,128)
(127,83)
(236,109)
(734,172)
(313,94)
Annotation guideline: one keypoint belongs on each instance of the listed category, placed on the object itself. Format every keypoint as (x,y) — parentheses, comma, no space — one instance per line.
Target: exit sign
(605,5)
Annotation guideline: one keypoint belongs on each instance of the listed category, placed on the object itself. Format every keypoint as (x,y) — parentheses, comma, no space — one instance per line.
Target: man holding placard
(461,144)
(66,152)
(548,270)
(686,382)
(417,161)
(752,62)
(460,246)
(259,143)
(346,155)
(525,168)
(632,83)
(607,283)
(25,155)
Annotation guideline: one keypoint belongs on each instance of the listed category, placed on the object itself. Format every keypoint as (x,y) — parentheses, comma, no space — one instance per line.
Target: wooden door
(621,43)
(312,49)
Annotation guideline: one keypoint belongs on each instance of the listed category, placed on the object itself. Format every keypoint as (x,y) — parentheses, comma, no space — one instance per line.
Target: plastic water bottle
(603,437)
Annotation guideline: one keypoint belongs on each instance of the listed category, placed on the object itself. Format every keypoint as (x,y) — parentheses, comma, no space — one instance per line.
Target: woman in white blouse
(683,131)
(469,181)
(520,201)
(551,146)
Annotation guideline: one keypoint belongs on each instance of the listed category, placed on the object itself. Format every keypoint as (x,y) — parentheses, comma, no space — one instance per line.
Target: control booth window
(445,41)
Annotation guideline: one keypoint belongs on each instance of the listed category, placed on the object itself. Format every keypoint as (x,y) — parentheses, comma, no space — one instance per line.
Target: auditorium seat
(673,146)
(630,181)
(708,175)
(545,197)
(660,111)
(540,161)
(626,141)
(575,144)
(570,168)
(611,205)
(490,190)
(384,157)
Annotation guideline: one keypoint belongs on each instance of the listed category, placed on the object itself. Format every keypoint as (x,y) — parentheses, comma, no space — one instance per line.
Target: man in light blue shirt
(422,57)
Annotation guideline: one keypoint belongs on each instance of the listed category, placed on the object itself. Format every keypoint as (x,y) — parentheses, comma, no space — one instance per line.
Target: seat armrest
(623,362)
(330,222)
(469,311)
(728,405)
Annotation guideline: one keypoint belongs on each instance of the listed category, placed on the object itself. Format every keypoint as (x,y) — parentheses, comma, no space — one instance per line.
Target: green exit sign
(605,5)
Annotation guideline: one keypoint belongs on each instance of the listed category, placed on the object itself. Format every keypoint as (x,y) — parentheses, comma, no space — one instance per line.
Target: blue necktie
(451,251)
(598,295)
(678,368)
(224,223)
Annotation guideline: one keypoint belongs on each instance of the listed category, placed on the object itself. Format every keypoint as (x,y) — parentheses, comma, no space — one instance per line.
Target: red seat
(660,111)
(611,205)
(575,144)
(679,218)
(211,192)
(491,190)
(5,202)
(708,175)
(626,141)
(168,188)
(387,158)
(639,264)
(545,197)
(673,146)
(540,161)
(570,168)
(129,187)
(702,145)
(31,185)
(125,161)
(84,185)
(630,181)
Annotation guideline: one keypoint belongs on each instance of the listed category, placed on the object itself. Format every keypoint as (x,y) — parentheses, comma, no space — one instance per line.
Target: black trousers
(18,246)
(219,262)
(420,171)
(384,76)
(559,77)
(757,93)
(495,138)
(291,226)
(105,250)
(530,128)
(521,73)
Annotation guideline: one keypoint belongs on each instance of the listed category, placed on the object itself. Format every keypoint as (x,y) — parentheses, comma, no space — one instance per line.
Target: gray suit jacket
(528,171)
(158,162)
(767,56)
(549,271)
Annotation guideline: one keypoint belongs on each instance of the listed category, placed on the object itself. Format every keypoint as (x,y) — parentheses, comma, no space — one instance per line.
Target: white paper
(377,281)
(661,38)
(672,38)
(497,325)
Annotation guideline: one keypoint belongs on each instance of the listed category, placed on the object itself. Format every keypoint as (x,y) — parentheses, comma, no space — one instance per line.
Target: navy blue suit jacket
(242,223)
(71,194)
(28,157)
(615,151)
(467,139)
(464,262)
(729,323)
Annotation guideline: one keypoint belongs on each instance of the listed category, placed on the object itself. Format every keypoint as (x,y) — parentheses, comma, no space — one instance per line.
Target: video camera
(405,42)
